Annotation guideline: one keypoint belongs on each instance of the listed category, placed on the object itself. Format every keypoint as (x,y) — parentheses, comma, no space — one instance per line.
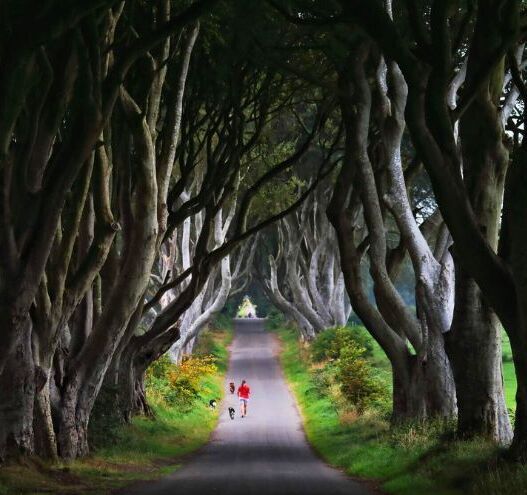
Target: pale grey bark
(371,191)
(306,329)
(311,290)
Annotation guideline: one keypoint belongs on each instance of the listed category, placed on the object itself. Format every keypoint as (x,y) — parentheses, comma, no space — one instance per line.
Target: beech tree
(305,279)
(469,200)
(373,215)
(372,186)
(72,73)
(457,62)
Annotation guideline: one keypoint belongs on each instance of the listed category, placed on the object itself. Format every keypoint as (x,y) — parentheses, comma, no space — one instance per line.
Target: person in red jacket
(244,393)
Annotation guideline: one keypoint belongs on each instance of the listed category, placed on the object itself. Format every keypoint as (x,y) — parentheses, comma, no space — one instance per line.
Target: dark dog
(232,387)
(231,412)
(212,403)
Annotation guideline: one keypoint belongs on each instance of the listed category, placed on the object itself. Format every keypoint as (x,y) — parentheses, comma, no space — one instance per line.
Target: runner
(243,393)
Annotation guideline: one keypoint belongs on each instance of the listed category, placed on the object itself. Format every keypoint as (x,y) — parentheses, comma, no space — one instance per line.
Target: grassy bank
(411,460)
(146,449)
(509,377)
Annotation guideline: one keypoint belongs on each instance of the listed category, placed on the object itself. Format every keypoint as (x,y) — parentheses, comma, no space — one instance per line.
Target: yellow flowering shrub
(178,385)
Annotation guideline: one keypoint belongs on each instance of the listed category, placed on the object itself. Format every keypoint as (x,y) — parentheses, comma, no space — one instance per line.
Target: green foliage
(221,322)
(253,290)
(275,197)
(160,368)
(186,378)
(509,376)
(246,308)
(106,423)
(275,318)
(347,354)
(178,385)
(158,388)
(329,343)
(359,385)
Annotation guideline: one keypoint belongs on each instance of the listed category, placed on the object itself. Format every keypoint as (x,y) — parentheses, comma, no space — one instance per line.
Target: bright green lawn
(410,461)
(509,378)
(146,449)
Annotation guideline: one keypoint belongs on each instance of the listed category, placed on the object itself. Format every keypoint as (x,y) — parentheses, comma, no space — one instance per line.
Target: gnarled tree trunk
(17,395)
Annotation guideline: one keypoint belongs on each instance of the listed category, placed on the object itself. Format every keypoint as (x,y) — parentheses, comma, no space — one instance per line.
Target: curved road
(266,452)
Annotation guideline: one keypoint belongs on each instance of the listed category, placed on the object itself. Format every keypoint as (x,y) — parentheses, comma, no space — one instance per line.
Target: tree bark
(423,383)
(86,372)
(513,247)
(474,348)
(17,389)
(475,340)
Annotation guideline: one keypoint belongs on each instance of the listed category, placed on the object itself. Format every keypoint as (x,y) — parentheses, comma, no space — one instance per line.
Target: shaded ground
(264,453)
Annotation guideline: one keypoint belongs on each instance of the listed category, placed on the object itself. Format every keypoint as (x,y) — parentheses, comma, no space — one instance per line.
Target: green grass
(145,449)
(509,376)
(405,461)
(380,361)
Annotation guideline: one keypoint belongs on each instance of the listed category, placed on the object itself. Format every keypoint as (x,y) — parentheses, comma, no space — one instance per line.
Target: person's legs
(243,407)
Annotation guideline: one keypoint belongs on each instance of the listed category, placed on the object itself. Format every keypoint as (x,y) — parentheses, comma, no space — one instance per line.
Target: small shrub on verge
(357,381)
(329,343)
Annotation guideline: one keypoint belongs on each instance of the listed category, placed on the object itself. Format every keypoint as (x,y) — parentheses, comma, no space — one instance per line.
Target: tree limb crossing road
(266,452)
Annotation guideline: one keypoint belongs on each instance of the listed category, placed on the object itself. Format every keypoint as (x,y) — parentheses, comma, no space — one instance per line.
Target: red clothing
(244,391)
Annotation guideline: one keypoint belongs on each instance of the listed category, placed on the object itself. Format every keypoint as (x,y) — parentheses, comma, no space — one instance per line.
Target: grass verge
(146,449)
(405,461)
(509,375)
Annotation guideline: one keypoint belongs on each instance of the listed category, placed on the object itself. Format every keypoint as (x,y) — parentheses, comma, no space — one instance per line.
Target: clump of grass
(492,482)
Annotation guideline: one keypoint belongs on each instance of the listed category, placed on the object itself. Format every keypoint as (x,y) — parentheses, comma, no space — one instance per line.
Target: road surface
(265,453)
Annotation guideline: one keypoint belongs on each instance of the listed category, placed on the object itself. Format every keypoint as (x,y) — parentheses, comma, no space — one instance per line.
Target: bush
(329,343)
(158,387)
(179,386)
(323,378)
(185,378)
(160,368)
(358,383)
(347,375)
(105,423)
(246,309)
(222,321)
(275,319)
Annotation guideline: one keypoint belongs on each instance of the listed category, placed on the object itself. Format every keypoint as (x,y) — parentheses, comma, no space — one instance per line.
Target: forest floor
(404,461)
(144,450)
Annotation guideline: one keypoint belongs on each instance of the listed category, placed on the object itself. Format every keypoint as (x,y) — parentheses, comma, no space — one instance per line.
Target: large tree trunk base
(17,394)
(45,439)
(474,348)
(425,390)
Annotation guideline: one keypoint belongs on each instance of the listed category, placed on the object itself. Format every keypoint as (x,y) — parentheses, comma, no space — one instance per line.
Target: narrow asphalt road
(265,453)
